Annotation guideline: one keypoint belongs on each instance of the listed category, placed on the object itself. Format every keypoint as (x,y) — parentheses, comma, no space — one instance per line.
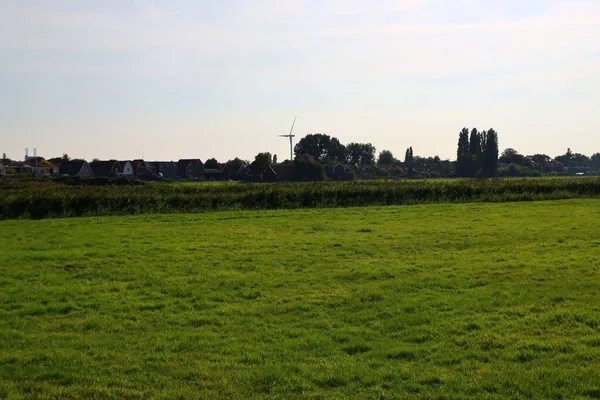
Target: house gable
(86,170)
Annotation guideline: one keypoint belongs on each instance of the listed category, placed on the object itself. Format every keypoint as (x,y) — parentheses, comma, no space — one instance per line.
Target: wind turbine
(290,136)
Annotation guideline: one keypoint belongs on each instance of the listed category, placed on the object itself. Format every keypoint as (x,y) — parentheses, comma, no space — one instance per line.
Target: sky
(165,80)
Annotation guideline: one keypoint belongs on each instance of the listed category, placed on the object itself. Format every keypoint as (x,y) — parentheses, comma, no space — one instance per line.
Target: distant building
(143,170)
(126,168)
(44,168)
(335,172)
(166,169)
(284,172)
(233,170)
(2,169)
(190,168)
(76,167)
(106,168)
(216,174)
(18,167)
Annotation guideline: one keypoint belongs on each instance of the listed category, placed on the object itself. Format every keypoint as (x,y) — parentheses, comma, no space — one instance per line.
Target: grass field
(443,301)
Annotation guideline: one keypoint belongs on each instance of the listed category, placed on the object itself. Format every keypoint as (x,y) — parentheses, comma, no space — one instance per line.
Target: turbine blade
(293,125)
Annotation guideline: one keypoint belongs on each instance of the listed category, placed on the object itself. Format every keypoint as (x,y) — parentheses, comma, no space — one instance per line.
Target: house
(244,173)
(233,170)
(76,167)
(270,175)
(190,168)
(166,169)
(335,171)
(18,167)
(126,168)
(215,174)
(143,170)
(552,166)
(43,168)
(106,168)
(285,172)
(34,165)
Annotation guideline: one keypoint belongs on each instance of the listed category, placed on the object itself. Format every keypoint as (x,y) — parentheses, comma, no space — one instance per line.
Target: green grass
(446,301)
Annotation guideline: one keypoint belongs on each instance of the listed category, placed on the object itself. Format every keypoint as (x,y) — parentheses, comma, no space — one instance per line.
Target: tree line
(477,156)
(477,153)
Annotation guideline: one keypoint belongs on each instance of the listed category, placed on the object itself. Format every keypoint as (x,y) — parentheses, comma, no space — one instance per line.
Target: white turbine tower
(290,136)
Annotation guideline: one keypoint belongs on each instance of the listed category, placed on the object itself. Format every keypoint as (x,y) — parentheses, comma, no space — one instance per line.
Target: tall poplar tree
(409,159)
(490,152)
(462,153)
(475,152)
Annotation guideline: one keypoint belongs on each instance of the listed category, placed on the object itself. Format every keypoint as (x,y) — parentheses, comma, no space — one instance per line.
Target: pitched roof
(285,172)
(185,162)
(71,167)
(190,160)
(104,167)
(41,165)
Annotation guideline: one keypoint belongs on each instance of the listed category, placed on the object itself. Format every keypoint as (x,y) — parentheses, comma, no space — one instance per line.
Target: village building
(166,169)
(76,167)
(126,168)
(190,168)
(106,168)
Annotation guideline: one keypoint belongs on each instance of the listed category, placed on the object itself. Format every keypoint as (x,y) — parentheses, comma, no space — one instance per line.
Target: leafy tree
(475,143)
(511,156)
(565,159)
(386,158)
(59,160)
(360,153)
(463,157)
(211,163)
(337,152)
(432,165)
(475,152)
(489,161)
(595,159)
(447,168)
(579,160)
(409,159)
(307,169)
(540,158)
(261,163)
(383,172)
(397,171)
(321,148)
(234,167)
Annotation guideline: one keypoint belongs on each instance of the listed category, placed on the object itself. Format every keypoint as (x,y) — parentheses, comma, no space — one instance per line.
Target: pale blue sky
(187,78)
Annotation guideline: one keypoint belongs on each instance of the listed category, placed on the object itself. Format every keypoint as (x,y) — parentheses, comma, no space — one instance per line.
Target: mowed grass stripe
(430,301)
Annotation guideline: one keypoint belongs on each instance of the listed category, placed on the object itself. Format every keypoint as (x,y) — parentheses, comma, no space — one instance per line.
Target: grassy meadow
(439,301)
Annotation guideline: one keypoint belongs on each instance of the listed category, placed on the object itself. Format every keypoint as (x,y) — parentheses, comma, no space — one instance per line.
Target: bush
(383,172)
(306,169)
(50,199)
(398,171)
